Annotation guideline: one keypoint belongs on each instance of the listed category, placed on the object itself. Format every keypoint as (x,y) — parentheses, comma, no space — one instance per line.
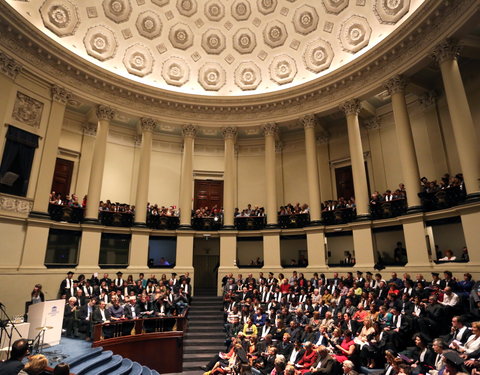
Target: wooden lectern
(47,314)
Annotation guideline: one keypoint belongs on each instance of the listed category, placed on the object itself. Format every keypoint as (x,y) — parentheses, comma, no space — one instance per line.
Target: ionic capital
(351,107)
(189,131)
(447,50)
(229,132)
(270,129)
(148,124)
(395,85)
(308,121)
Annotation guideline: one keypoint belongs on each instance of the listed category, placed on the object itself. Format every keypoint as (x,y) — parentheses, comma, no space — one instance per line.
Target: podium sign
(47,314)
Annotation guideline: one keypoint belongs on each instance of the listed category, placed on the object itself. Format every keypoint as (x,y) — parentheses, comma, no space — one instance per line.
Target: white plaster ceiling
(218,47)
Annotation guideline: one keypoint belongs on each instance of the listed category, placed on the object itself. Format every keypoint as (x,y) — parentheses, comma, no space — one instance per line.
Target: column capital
(60,94)
(189,131)
(428,99)
(8,66)
(270,129)
(104,112)
(89,129)
(396,84)
(229,132)
(308,121)
(148,124)
(323,139)
(373,123)
(446,50)
(351,107)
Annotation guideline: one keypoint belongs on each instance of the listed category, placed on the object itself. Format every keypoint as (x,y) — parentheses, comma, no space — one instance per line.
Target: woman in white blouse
(472,344)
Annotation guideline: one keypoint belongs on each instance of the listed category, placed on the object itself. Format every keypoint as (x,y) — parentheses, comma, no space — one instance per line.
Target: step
(107,367)
(136,369)
(203,322)
(193,372)
(198,357)
(208,350)
(146,371)
(194,365)
(83,357)
(91,363)
(201,334)
(204,341)
(124,369)
(205,313)
(211,329)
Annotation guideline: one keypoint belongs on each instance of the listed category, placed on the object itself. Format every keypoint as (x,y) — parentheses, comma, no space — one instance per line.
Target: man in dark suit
(398,330)
(458,332)
(244,295)
(285,347)
(14,365)
(66,286)
(86,316)
(102,315)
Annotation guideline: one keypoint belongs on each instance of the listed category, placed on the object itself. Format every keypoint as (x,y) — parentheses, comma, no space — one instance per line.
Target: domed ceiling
(218,47)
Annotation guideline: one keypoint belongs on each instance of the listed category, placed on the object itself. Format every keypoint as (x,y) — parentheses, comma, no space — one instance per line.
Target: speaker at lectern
(47,314)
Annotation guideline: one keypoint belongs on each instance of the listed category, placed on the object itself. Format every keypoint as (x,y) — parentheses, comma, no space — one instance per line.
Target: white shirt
(450,300)
(102,312)
(293,356)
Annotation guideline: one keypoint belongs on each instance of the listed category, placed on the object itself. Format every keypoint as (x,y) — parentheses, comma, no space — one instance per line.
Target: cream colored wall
(248,251)
(118,173)
(295,174)
(449,236)
(289,249)
(251,179)
(337,247)
(164,184)
(12,234)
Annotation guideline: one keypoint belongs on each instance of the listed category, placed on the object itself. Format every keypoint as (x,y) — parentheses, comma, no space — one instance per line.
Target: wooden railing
(338,216)
(293,221)
(387,209)
(142,340)
(250,222)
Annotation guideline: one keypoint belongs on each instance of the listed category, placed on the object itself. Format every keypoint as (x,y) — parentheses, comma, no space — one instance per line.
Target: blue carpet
(67,348)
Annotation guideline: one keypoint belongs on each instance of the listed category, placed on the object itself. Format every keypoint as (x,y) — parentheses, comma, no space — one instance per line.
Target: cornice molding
(402,50)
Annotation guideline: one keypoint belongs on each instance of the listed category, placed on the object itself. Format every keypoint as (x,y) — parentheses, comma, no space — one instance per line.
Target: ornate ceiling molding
(398,53)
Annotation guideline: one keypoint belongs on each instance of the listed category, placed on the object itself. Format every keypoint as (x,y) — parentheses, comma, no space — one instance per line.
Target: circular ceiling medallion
(117,10)
(60,17)
(241,10)
(175,71)
(244,41)
(248,76)
(181,36)
(318,55)
(149,25)
(266,6)
(187,7)
(214,10)
(391,11)
(283,69)
(138,60)
(305,20)
(213,41)
(275,34)
(100,42)
(355,33)
(335,6)
(212,76)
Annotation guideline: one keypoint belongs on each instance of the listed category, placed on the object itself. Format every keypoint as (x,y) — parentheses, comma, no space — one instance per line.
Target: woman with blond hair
(36,365)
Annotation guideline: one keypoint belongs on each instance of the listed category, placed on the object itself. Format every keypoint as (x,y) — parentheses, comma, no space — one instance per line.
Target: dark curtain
(17,158)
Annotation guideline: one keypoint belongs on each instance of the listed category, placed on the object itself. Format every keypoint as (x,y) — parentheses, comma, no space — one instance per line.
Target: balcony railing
(116,219)
(163,222)
(293,221)
(442,199)
(65,213)
(207,223)
(339,216)
(250,222)
(385,210)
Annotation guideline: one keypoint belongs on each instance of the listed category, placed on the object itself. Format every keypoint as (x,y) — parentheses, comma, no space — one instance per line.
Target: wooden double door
(208,193)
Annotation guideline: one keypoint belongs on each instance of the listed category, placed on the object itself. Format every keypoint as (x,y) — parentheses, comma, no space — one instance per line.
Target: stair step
(204,349)
(204,341)
(199,334)
(198,357)
(193,365)
(99,360)
(203,322)
(193,372)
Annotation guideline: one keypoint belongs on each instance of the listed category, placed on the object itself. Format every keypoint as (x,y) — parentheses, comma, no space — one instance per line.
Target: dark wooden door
(344,181)
(206,270)
(208,193)
(62,178)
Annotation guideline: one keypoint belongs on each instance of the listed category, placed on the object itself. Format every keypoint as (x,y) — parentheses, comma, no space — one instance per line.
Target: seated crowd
(250,212)
(340,203)
(103,300)
(155,210)
(449,191)
(298,325)
(290,209)
(208,212)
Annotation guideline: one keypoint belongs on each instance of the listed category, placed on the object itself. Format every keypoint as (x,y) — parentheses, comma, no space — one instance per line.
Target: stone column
(270,131)
(373,126)
(352,109)
(437,150)
(148,126)
(186,190)
(316,249)
(363,246)
(60,97)
(463,126)
(415,240)
(312,168)
(325,176)
(105,115)
(86,157)
(10,69)
(229,134)
(406,147)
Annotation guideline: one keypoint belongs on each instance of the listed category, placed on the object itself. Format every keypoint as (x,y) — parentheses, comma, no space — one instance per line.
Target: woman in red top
(346,348)
(308,359)
(284,286)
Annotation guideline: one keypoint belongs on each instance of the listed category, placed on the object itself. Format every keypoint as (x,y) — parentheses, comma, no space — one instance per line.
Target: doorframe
(73,156)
